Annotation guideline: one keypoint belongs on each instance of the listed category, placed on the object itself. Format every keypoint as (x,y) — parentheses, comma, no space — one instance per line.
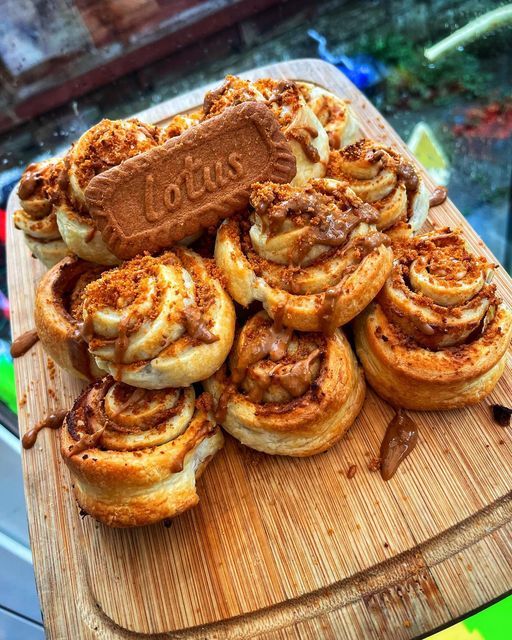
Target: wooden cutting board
(278,548)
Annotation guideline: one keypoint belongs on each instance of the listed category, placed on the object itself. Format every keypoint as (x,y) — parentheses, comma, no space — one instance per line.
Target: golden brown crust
(287,393)
(134,455)
(58,315)
(381,176)
(37,218)
(333,112)
(159,322)
(304,131)
(310,254)
(106,145)
(437,335)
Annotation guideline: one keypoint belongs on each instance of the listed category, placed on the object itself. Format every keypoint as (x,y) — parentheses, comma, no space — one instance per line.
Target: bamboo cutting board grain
(278,548)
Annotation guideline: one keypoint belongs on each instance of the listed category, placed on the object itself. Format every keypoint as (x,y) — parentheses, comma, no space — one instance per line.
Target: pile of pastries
(244,327)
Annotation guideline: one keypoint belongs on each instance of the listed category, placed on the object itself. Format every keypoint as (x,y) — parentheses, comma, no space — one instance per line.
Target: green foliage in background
(413,81)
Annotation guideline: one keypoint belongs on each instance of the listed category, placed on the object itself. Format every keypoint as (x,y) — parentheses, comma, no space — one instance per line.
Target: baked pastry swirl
(304,131)
(135,454)
(437,335)
(310,254)
(158,322)
(287,393)
(36,218)
(103,146)
(334,113)
(58,315)
(381,176)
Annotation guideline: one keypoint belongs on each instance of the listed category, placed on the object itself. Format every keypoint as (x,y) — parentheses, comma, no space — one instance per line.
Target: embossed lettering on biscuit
(193,181)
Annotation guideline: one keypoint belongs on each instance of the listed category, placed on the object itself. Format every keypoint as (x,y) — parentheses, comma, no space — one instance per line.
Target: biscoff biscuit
(194,181)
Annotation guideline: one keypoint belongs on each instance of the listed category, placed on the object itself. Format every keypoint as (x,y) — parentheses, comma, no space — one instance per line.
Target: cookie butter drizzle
(399,440)
(327,220)
(262,341)
(367,152)
(438,196)
(127,283)
(88,422)
(53,421)
(444,256)
(32,179)
(23,343)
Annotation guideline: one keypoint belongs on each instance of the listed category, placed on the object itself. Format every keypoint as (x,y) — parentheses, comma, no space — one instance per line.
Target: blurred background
(65,64)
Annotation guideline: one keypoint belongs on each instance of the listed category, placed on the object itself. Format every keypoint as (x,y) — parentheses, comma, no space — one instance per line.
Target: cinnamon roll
(304,131)
(381,176)
(103,146)
(135,454)
(437,335)
(36,218)
(310,254)
(158,322)
(287,393)
(334,113)
(58,315)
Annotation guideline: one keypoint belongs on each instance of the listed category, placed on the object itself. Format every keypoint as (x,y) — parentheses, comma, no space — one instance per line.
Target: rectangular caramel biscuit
(194,181)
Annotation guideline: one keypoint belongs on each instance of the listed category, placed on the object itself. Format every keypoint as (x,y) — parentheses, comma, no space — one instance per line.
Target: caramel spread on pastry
(285,392)
(437,334)
(33,184)
(134,454)
(37,218)
(323,218)
(334,114)
(159,321)
(381,176)
(310,254)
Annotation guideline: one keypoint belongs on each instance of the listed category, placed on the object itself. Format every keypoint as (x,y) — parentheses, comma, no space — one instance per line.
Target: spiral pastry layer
(135,454)
(58,315)
(159,322)
(382,177)
(287,393)
(334,113)
(310,254)
(103,146)
(37,218)
(303,130)
(437,335)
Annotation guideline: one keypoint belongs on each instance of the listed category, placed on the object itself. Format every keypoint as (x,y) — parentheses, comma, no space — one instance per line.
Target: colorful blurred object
(3,227)
(492,121)
(428,150)
(4,305)
(363,70)
(492,623)
(7,385)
